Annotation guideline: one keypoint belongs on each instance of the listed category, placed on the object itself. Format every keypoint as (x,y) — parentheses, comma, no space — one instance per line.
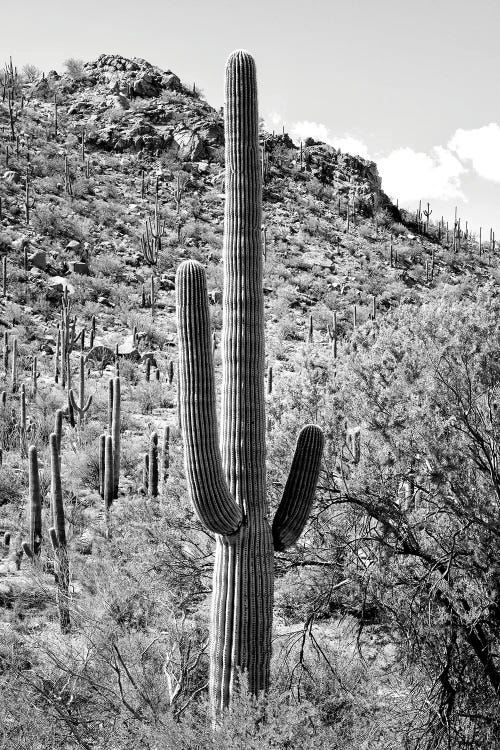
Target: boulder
(73,246)
(79,267)
(38,259)
(128,350)
(146,85)
(314,258)
(191,146)
(171,81)
(57,286)
(120,101)
(11,176)
(100,357)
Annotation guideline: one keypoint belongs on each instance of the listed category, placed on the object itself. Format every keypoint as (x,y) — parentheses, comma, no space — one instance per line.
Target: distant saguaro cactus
(32,549)
(228,484)
(58,537)
(153,465)
(115,434)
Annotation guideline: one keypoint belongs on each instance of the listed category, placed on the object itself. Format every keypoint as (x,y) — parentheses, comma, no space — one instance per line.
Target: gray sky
(413,86)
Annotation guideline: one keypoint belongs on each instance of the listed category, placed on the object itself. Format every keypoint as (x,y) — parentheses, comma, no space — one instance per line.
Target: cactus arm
(300,487)
(80,410)
(208,488)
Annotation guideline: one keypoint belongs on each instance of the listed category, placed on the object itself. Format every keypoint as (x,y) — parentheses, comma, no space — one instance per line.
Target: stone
(57,286)
(38,259)
(315,258)
(11,176)
(73,245)
(171,81)
(79,267)
(145,85)
(190,145)
(128,350)
(121,102)
(104,301)
(100,356)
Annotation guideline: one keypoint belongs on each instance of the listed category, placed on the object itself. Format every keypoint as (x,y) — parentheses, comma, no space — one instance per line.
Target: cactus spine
(228,484)
(58,537)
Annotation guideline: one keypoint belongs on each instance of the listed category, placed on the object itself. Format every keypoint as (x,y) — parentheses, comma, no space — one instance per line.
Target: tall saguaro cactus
(228,483)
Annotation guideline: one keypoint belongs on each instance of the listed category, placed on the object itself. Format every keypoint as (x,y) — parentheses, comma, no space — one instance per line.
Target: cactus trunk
(58,537)
(243,573)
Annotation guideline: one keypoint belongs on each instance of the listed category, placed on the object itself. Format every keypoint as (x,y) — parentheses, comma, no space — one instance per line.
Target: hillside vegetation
(381,327)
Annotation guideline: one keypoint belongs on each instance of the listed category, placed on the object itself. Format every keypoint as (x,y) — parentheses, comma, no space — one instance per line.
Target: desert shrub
(398,229)
(110,267)
(75,68)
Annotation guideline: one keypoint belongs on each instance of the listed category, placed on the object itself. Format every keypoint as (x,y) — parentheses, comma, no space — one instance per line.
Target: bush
(74,68)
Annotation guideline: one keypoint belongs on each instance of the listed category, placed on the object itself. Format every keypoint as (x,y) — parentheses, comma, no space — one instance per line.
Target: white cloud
(273,120)
(480,146)
(412,175)
(299,131)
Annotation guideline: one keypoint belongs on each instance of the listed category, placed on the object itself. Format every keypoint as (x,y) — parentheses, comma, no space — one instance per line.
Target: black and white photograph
(250,375)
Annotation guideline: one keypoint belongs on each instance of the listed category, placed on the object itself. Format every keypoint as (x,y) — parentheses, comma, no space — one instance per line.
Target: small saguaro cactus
(57,355)
(23,422)
(153,466)
(110,405)
(227,484)
(102,457)
(170,372)
(58,537)
(115,434)
(34,376)
(108,480)
(145,473)
(165,459)
(14,366)
(34,546)
(6,351)
(83,407)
